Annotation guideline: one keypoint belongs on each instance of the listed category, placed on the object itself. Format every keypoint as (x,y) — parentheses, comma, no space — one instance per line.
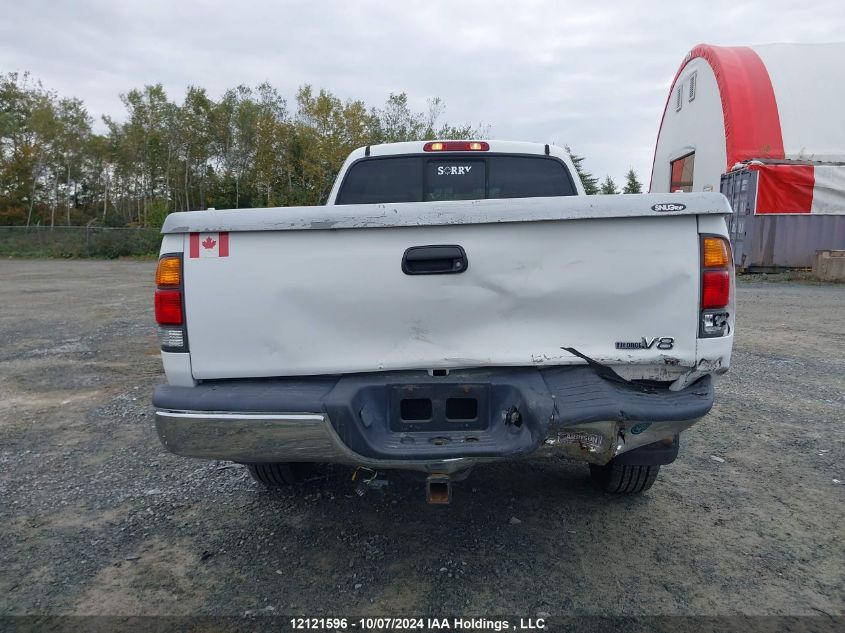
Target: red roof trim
(749,108)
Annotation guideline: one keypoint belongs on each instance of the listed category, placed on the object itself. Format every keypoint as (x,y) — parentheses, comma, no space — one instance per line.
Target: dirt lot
(98,519)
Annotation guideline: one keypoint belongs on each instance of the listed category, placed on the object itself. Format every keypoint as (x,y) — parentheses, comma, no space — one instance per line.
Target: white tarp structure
(778,102)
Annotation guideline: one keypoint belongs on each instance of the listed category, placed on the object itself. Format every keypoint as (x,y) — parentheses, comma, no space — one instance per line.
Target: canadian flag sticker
(209,245)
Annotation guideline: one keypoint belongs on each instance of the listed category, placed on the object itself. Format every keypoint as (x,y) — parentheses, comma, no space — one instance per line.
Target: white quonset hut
(765,126)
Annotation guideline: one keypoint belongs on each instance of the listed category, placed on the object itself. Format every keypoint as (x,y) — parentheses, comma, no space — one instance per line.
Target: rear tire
(623,479)
(277,474)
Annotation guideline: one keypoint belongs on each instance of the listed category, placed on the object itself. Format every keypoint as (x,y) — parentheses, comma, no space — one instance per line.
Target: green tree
(144,151)
(271,166)
(632,185)
(588,181)
(608,187)
(326,130)
(74,133)
(28,138)
(396,122)
(195,146)
(243,149)
(97,181)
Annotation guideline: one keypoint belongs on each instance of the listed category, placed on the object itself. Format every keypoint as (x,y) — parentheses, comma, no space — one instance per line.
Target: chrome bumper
(273,437)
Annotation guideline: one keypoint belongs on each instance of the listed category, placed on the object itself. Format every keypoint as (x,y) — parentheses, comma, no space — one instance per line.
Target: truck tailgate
(293,303)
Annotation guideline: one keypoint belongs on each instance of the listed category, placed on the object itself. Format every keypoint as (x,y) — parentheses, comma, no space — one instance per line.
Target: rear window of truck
(453,177)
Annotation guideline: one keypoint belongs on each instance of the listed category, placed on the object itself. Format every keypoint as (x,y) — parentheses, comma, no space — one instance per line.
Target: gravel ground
(98,519)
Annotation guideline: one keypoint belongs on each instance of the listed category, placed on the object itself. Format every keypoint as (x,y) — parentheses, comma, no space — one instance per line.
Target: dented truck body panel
(322,302)
(566,325)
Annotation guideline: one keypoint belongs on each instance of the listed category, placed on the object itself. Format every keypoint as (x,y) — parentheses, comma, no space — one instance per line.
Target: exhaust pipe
(438,489)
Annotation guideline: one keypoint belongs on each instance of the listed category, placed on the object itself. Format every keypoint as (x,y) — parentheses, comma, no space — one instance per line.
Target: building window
(692,80)
(679,99)
(682,171)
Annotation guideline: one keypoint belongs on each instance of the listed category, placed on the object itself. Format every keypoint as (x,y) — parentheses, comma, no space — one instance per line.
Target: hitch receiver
(438,489)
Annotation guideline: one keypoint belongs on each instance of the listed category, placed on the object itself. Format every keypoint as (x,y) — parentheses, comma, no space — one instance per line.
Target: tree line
(245,149)
(608,185)
(248,148)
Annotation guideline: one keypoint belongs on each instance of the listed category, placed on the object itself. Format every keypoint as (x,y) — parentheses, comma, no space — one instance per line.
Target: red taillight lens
(715,289)
(168,307)
(456,146)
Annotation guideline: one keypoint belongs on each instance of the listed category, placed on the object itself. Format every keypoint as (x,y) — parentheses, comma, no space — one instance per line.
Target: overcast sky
(593,75)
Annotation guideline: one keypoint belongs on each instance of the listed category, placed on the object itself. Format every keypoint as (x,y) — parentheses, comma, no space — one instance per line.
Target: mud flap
(656,454)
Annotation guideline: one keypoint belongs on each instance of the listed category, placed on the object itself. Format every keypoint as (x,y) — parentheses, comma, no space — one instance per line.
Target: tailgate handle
(445,259)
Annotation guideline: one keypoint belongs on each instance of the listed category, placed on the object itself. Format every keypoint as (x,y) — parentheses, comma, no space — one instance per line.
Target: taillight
(169,304)
(715,289)
(168,307)
(169,271)
(715,286)
(456,146)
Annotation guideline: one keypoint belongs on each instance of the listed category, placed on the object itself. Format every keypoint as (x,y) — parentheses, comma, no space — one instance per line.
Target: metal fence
(77,241)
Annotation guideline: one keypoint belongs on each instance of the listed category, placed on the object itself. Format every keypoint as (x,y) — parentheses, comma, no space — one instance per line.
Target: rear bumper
(358,419)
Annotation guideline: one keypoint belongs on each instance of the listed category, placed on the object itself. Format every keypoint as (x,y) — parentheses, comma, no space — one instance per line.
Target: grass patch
(797,276)
(78,242)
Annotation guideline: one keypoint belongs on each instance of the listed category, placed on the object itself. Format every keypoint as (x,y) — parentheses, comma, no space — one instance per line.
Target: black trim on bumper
(524,405)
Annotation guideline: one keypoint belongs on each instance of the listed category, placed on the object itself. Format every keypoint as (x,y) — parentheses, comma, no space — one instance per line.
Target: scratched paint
(441,213)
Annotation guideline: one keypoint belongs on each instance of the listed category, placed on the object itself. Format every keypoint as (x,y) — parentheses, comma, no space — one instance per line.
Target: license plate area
(438,407)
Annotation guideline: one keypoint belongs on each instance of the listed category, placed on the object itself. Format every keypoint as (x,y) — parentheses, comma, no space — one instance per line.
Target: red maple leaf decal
(208,243)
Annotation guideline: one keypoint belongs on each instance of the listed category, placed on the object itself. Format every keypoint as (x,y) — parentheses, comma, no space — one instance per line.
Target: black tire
(274,475)
(622,478)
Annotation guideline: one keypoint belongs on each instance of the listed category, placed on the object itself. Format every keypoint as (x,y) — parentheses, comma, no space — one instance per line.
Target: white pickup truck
(454,302)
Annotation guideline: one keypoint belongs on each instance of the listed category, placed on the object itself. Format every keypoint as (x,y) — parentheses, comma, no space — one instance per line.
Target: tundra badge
(662,343)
